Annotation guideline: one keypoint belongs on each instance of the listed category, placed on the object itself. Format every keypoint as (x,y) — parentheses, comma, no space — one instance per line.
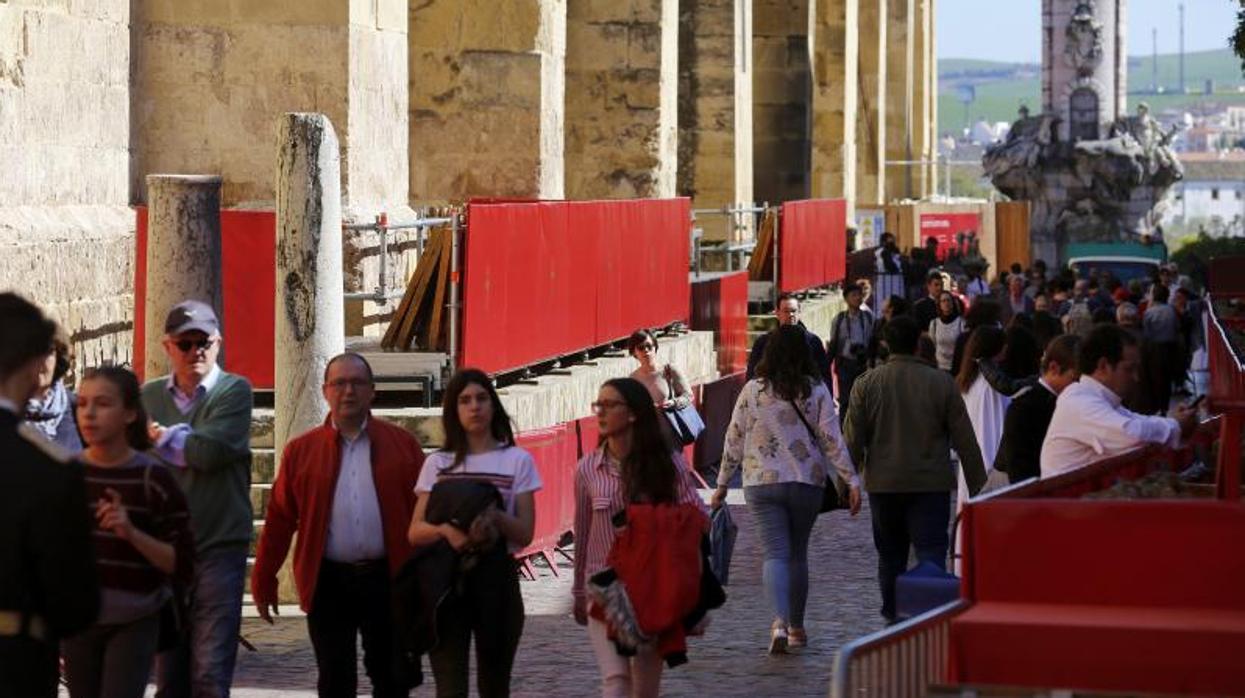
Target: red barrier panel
(812,243)
(554,451)
(248,271)
(547,279)
(720,305)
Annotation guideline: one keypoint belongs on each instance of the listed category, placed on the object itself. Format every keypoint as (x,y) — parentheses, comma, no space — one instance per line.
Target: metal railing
(901,661)
(382,226)
(735,221)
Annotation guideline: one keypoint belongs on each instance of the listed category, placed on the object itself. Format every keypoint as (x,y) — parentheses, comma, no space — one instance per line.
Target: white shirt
(987,410)
(510,469)
(1090,424)
(355,530)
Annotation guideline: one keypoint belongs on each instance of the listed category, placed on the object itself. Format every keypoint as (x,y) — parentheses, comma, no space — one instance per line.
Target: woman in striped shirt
(632,464)
(142,543)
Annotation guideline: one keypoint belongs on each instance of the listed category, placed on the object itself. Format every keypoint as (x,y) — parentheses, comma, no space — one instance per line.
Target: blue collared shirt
(172,444)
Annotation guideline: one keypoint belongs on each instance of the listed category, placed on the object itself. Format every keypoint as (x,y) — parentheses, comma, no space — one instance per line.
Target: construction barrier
(543,280)
(812,244)
(248,276)
(720,305)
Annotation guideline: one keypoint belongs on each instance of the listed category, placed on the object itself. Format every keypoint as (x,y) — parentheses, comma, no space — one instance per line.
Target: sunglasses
(185,345)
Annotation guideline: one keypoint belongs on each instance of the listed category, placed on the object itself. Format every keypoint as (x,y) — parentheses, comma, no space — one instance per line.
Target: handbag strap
(811,432)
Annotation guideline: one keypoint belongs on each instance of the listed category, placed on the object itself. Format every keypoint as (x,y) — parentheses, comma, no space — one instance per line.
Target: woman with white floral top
(785,470)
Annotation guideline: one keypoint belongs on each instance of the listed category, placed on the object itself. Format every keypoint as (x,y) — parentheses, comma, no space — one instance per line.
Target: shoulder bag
(686,422)
(836,494)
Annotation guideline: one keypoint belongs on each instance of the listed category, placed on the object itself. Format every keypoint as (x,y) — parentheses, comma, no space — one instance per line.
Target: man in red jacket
(348,489)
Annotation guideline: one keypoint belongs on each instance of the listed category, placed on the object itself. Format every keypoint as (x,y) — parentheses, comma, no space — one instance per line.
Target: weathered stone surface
(621,99)
(782,83)
(183,255)
(833,39)
(871,110)
(310,325)
(486,99)
(900,72)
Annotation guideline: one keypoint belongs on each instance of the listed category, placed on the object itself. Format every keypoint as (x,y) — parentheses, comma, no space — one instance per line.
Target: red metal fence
(547,279)
(812,244)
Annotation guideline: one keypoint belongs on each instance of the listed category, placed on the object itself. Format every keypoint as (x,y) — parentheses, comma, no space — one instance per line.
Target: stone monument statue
(1091,172)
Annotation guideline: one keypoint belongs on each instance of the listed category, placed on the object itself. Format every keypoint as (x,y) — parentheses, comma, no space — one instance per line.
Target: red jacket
(302,501)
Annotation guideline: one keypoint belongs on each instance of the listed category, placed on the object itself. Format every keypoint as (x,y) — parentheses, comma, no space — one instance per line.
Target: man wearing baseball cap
(201,422)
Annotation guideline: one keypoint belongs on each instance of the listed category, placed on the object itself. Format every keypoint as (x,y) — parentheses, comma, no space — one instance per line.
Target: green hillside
(1002,87)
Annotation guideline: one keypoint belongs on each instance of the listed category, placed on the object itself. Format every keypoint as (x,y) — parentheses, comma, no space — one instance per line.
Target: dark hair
(126,383)
(1160,293)
(1020,320)
(1040,264)
(933,275)
(901,335)
(785,297)
(1062,352)
(787,367)
(1024,354)
(1103,342)
(955,304)
(984,311)
(64,359)
(984,343)
(1016,268)
(27,333)
(898,305)
(852,288)
(349,355)
(637,338)
(648,472)
(1104,316)
(455,434)
(1185,293)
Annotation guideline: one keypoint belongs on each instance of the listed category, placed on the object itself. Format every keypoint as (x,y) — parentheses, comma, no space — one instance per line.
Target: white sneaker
(778,639)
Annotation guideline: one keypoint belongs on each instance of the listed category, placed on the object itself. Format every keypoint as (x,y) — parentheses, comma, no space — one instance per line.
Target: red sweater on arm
(302,501)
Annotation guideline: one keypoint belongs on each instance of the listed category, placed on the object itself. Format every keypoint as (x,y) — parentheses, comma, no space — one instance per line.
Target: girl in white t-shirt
(479,445)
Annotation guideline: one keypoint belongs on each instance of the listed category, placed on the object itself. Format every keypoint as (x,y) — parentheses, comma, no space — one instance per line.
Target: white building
(1211,196)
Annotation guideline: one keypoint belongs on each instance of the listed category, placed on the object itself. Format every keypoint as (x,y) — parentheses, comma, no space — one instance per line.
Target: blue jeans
(785,513)
(202,665)
(903,520)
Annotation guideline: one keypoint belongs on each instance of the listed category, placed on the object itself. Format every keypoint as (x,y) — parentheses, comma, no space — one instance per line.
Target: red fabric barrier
(248,270)
(812,244)
(547,279)
(554,451)
(720,305)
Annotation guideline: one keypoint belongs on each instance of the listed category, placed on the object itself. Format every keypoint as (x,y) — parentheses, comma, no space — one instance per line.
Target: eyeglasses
(343,383)
(603,405)
(185,345)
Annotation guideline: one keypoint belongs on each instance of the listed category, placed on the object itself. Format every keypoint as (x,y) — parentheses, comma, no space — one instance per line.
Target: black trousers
(353,600)
(847,371)
(27,667)
(903,520)
(490,609)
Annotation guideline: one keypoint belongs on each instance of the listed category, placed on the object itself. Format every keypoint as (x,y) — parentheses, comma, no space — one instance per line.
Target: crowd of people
(141,493)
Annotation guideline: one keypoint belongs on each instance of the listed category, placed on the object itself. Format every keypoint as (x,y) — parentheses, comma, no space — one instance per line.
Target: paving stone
(555,658)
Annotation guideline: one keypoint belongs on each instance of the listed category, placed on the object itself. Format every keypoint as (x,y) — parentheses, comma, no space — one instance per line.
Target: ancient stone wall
(715,106)
(871,110)
(621,98)
(899,97)
(66,234)
(833,36)
(782,84)
(486,99)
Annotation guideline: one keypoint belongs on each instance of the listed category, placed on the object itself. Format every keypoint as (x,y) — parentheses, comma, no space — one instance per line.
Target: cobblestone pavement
(730,660)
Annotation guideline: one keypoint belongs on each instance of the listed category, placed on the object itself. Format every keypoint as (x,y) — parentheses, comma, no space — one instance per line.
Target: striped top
(131,587)
(598,497)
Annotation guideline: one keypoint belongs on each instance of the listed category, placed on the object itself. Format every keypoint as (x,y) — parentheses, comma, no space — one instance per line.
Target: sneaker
(796,638)
(778,639)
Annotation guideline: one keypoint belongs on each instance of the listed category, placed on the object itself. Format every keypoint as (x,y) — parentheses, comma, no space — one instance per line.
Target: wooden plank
(397,336)
(436,326)
(410,324)
(761,264)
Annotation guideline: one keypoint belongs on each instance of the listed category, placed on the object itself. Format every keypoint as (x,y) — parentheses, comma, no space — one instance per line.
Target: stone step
(263,466)
(260,494)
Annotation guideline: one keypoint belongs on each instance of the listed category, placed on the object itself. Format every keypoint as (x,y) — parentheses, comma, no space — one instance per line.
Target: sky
(1016,25)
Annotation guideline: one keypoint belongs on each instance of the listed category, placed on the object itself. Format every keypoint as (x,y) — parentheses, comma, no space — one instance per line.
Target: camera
(858,352)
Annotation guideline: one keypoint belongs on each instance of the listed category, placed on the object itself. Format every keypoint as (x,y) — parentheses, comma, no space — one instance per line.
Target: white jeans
(624,677)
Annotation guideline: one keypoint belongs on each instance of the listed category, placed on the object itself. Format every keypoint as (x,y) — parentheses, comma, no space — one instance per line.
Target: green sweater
(217,476)
(903,420)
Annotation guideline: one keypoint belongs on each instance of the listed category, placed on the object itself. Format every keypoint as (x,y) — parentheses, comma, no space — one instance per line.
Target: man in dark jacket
(1028,416)
(926,309)
(904,419)
(48,587)
(851,335)
(788,312)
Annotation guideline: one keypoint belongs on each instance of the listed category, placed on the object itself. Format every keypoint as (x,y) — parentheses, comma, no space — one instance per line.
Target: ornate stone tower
(1084,66)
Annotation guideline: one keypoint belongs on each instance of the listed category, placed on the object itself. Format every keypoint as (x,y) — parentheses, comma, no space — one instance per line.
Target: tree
(1238,37)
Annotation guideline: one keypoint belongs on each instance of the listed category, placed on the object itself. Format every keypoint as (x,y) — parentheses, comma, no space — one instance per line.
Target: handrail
(381,225)
(899,661)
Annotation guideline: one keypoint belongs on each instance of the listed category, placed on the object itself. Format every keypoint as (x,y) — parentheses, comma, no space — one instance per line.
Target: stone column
(621,98)
(310,324)
(899,90)
(871,118)
(715,108)
(922,67)
(183,255)
(486,99)
(832,40)
(781,82)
